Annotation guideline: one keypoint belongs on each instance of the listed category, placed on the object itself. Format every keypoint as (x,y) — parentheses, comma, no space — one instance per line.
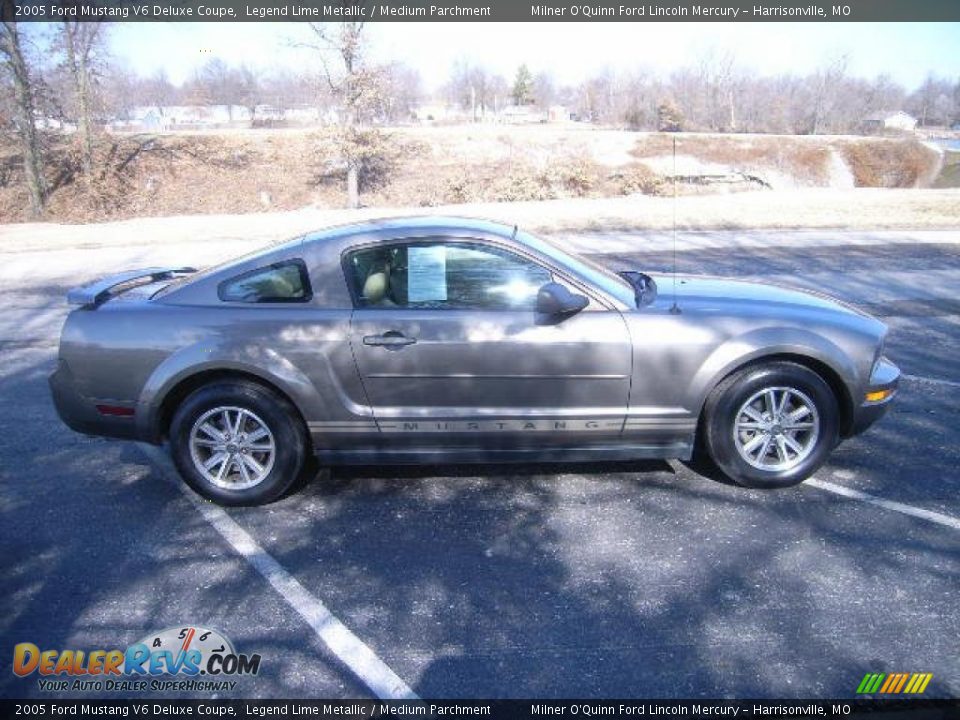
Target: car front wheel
(237,443)
(771,425)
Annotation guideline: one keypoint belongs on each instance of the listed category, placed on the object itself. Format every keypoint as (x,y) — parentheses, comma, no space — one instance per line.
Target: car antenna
(514,236)
(675,309)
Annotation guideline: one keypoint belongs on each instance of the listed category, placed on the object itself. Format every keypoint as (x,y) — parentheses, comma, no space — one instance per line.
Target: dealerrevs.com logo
(178,659)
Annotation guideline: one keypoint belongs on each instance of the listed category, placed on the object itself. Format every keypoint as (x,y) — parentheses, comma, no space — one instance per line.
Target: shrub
(669,117)
(638,178)
(575,175)
(889,163)
(520,182)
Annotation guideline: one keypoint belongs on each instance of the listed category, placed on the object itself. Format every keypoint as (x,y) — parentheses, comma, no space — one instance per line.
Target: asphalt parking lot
(620,580)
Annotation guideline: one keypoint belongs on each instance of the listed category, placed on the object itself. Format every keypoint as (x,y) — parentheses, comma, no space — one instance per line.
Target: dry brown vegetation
(183,174)
(805,159)
(890,163)
(255,171)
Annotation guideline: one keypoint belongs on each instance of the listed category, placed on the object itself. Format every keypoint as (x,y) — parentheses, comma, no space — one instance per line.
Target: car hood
(710,291)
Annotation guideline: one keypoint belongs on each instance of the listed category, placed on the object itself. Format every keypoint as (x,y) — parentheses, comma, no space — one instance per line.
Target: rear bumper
(80,413)
(885,377)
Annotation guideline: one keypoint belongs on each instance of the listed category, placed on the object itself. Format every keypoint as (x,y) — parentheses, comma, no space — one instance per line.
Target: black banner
(484,10)
(498,709)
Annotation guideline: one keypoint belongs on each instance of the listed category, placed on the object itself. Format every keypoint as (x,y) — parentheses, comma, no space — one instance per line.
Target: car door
(450,349)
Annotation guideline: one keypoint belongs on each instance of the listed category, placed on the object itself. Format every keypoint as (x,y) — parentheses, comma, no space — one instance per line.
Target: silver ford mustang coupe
(426,340)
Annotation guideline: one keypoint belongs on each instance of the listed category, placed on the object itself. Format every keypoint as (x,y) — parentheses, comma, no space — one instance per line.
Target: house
(45,122)
(521,115)
(890,120)
(559,113)
(181,117)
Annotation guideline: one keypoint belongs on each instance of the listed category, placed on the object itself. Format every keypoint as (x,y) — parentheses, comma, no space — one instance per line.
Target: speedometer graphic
(178,641)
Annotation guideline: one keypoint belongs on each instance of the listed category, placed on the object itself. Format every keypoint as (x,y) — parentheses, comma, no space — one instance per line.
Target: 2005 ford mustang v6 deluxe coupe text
(449,340)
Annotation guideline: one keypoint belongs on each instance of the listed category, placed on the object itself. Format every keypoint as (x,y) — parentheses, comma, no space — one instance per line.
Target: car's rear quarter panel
(141,353)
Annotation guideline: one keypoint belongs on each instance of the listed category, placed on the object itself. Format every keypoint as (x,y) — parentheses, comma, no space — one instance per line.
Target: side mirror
(554,299)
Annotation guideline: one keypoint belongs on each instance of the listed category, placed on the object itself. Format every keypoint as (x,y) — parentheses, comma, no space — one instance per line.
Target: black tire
(722,410)
(276,413)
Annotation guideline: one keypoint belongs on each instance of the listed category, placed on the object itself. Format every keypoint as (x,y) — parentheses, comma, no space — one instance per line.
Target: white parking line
(931,381)
(916,512)
(349,649)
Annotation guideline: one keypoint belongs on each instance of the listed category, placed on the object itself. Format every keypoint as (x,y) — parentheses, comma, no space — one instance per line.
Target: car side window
(440,275)
(282,282)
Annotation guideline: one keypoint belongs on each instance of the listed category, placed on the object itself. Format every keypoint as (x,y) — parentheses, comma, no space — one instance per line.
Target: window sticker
(426,273)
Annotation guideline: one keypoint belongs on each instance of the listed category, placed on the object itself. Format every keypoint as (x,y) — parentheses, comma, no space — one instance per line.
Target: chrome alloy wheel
(232,448)
(776,429)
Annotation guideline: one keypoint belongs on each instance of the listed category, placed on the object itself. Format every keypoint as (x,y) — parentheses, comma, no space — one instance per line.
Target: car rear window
(281,282)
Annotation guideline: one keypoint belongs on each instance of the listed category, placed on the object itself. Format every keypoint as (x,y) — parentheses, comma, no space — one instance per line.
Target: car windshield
(591,271)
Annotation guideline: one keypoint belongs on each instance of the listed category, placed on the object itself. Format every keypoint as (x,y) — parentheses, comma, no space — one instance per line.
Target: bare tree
(284,89)
(474,88)
(955,102)
(933,102)
(7,104)
(157,91)
(640,100)
(402,89)
(461,89)
(250,90)
(596,96)
(216,83)
(543,89)
(24,120)
(121,92)
(710,91)
(80,42)
(354,83)
(825,89)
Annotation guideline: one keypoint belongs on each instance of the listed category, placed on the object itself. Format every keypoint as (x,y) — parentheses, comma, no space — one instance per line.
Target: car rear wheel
(238,443)
(771,425)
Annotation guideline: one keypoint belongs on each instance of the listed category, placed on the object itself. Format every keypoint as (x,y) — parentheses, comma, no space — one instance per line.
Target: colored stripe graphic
(870,683)
(894,683)
(903,680)
(918,683)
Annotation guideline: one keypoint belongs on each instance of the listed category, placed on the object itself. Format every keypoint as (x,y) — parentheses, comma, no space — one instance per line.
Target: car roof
(416,223)
(321,249)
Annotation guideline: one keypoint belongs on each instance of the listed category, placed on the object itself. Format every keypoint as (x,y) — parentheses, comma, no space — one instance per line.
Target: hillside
(278,170)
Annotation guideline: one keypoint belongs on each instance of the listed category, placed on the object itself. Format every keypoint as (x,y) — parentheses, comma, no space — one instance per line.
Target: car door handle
(390,340)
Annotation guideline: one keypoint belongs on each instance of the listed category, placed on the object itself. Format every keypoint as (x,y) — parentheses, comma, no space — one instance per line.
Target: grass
(950,173)
(820,209)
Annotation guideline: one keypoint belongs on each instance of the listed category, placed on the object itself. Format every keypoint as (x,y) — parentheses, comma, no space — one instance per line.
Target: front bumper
(885,379)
